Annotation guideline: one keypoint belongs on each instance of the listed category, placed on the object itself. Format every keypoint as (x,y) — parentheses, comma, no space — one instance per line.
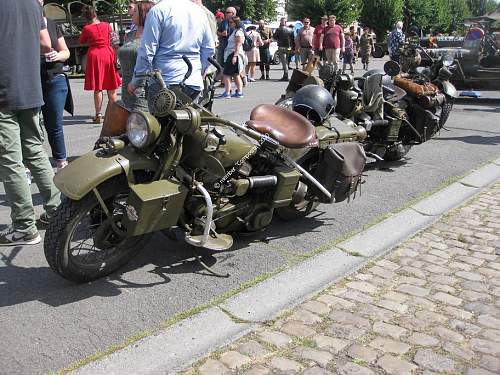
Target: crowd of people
(328,42)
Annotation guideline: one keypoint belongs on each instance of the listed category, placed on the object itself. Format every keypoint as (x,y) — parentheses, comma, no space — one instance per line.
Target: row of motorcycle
(180,169)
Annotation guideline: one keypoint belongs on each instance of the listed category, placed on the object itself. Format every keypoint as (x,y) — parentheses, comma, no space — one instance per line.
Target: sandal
(97,119)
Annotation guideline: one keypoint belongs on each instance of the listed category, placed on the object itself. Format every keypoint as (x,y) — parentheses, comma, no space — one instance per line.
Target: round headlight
(142,129)
(448,60)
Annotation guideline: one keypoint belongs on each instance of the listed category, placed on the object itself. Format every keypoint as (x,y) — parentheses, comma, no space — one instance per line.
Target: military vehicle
(478,59)
(70,19)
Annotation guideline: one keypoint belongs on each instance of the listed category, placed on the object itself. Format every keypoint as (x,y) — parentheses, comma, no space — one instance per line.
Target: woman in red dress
(100,72)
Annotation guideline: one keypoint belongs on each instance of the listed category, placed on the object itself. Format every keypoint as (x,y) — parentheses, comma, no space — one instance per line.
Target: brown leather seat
(289,128)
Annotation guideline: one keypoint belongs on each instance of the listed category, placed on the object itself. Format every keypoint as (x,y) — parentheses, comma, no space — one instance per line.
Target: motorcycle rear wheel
(87,262)
(296,210)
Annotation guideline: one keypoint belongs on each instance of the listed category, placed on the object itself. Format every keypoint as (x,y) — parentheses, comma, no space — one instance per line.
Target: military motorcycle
(402,106)
(180,166)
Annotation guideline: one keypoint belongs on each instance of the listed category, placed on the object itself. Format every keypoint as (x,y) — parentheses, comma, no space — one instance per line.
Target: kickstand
(207,268)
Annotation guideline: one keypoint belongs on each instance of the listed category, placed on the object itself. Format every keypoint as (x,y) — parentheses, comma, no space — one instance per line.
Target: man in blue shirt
(175,28)
(223,32)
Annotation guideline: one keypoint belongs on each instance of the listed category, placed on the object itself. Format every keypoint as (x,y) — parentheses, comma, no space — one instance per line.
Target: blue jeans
(54,97)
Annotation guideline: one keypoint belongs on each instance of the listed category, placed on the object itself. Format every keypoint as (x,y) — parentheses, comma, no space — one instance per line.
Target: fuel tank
(334,130)
(219,142)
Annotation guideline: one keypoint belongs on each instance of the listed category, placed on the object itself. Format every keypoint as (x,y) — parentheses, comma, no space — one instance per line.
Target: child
(348,52)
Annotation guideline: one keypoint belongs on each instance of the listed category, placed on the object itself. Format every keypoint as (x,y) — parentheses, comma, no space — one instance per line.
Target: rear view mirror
(392,68)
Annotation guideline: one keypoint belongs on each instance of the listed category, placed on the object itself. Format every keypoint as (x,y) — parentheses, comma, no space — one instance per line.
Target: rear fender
(92,169)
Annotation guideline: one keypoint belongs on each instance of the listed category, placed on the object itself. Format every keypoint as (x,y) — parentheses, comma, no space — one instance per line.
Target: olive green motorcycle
(180,166)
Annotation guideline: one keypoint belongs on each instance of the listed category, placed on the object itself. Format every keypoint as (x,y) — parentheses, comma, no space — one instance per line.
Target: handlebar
(189,71)
(214,62)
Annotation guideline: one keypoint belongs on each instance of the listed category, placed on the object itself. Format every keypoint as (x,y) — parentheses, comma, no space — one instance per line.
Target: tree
(246,9)
(419,13)
(458,10)
(481,7)
(346,11)
(381,15)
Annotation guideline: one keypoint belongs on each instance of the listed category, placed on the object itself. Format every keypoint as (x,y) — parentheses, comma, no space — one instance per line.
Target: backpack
(247,43)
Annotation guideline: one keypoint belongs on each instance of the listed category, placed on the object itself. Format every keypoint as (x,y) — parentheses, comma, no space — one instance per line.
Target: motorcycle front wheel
(81,244)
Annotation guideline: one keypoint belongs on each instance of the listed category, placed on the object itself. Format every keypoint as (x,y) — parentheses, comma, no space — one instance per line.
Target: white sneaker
(11,237)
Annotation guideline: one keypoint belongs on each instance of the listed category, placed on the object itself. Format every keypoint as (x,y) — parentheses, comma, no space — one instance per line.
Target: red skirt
(100,71)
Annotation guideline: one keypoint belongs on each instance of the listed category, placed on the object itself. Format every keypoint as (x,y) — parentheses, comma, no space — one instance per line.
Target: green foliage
(481,7)
(458,10)
(436,15)
(381,15)
(246,9)
(252,9)
(346,11)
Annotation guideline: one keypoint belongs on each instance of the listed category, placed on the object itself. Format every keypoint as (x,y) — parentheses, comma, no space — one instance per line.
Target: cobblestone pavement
(430,306)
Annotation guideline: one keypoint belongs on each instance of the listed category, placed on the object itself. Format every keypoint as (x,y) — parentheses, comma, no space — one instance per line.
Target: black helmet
(313,102)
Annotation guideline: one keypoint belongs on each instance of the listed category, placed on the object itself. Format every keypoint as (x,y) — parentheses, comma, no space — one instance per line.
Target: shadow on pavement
(387,166)
(474,139)
(77,120)
(488,109)
(25,284)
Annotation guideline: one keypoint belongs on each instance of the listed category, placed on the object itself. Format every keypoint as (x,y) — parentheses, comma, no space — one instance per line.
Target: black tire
(395,153)
(276,59)
(63,225)
(293,212)
(446,110)
(378,52)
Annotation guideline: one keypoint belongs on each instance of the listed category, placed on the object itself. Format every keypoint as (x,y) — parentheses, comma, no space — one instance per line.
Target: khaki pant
(333,56)
(21,144)
(283,53)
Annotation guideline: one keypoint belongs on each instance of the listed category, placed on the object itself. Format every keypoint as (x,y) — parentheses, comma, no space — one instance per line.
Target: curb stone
(199,335)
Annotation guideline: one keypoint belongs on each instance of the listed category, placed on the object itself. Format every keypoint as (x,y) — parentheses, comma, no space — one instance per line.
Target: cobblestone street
(432,305)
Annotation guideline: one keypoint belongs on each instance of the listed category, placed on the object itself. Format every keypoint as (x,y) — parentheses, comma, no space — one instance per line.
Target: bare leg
(227,83)
(112,97)
(98,101)
(238,82)
(253,67)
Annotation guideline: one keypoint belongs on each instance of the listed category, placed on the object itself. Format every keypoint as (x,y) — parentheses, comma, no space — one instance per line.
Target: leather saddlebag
(340,170)
(415,89)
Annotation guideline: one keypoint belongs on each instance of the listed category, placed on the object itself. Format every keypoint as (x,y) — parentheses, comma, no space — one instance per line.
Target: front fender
(92,169)
(449,89)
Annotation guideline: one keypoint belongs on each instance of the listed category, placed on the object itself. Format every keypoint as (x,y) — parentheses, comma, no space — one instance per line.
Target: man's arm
(342,40)
(45,44)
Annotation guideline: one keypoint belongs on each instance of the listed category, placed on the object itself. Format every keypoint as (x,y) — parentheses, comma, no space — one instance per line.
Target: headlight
(448,60)
(142,129)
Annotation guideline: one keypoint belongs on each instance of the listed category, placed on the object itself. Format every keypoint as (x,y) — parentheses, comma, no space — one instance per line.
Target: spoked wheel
(82,243)
(445,111)
(299,207)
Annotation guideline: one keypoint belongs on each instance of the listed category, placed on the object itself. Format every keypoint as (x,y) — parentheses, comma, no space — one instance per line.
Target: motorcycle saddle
(287,127)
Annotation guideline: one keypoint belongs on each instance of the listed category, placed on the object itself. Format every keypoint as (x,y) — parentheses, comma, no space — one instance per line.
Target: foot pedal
(216,241)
